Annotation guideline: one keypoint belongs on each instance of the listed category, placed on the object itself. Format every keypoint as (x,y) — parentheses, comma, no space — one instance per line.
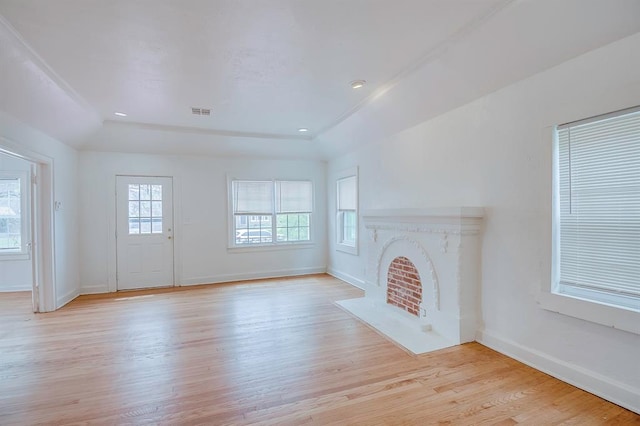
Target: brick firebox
(404,288)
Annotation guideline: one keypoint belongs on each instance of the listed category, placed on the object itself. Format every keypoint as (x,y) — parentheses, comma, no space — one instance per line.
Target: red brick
(404,288)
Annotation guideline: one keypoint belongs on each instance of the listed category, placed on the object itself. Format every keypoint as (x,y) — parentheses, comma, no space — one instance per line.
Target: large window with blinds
(271,212)
(597,209)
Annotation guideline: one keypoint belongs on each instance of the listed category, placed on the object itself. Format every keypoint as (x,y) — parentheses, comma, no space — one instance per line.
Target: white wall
(200,206)
(496,152)
(15,275)
(16,136)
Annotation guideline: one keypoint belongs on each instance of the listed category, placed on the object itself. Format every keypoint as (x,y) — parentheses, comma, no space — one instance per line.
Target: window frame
(578,304)
(340,213)
(274,244)
(24,253)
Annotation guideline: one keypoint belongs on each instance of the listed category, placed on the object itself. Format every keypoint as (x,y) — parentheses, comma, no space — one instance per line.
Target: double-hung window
(347,211)
(597,210)
(271,212)
(14,218)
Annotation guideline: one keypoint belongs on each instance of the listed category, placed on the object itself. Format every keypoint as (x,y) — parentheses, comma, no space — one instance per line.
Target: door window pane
(134,226)
(134,192)
(156,208)
(145,225)
(156,225)
(145,215)
(145,208)
(145,192)
(156,192)
(134,209)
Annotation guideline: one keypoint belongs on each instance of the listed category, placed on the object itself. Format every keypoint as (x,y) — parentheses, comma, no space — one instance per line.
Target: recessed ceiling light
(303,130)
(120,114)
(356,84)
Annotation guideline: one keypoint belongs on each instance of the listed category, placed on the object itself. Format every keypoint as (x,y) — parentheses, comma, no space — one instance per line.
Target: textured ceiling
(267,68)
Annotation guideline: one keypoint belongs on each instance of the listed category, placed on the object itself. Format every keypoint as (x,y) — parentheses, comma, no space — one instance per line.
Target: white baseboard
(67,298)
(612,390)
(94,289)
(356,282)
(223,278)
(12,288)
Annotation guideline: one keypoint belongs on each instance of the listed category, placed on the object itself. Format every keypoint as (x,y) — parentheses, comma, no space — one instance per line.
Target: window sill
(610,316)
(14,256)
(270,247)
(345,248)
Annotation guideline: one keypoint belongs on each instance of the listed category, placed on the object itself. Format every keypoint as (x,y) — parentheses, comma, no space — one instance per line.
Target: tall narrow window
(347,211)
(597,252)
(14,225)
(264,209)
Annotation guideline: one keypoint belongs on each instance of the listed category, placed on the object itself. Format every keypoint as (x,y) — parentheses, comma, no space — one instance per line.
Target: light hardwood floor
(268,352)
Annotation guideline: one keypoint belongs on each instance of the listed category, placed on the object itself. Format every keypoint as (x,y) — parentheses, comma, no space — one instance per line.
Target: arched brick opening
(404,288)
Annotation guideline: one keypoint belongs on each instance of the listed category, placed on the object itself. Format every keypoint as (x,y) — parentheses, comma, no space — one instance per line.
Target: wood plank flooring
(263,352)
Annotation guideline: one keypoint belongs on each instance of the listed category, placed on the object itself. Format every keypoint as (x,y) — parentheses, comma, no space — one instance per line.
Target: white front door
(144,232)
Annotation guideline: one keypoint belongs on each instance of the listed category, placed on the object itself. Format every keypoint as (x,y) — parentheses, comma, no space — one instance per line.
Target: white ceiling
(266,68)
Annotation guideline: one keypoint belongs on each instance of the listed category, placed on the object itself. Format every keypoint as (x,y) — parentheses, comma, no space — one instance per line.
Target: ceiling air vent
(200,111)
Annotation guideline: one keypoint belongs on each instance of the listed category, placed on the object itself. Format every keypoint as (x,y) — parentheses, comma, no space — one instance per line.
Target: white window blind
(270,212)
(599,209)
(252,197)
(347,193)
(294,197)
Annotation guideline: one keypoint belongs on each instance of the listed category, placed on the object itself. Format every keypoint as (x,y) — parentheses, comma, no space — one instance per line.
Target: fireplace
(422,276)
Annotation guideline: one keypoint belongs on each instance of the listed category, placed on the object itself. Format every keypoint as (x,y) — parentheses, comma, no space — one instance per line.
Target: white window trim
(25,218)
(271,247)
(589,310)
(550,299)
(340,246)
(232,247)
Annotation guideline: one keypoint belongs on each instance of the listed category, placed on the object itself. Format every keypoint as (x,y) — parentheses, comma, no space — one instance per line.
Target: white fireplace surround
(444,245)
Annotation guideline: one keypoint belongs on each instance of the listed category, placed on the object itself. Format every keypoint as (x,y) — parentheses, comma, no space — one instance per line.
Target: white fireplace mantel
(468,219)
(444,244)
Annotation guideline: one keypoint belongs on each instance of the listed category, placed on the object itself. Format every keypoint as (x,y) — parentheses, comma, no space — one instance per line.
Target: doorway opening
(26,225)
(16,260)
